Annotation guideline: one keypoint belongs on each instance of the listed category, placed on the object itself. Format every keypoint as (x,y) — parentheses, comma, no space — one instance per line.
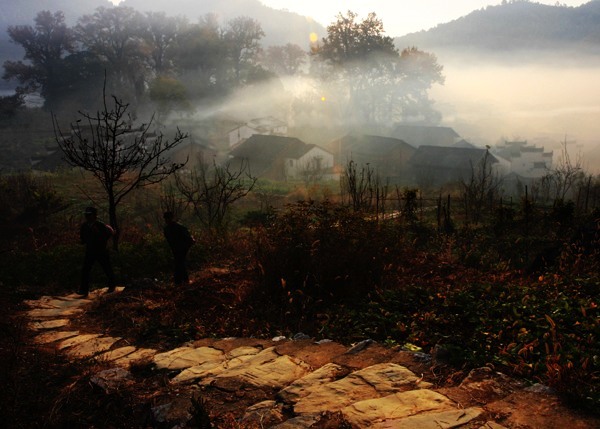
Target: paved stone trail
(367,384)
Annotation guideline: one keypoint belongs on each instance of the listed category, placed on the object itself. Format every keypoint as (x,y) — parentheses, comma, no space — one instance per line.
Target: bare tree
(561,179)
(481,187)
(362,189)
(211,190)
(312,171)
(119,157)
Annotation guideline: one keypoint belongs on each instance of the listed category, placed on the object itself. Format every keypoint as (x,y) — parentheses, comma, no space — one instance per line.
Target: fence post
(439,213)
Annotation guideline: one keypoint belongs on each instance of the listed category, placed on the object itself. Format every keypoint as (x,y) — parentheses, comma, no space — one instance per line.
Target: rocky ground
(276,383)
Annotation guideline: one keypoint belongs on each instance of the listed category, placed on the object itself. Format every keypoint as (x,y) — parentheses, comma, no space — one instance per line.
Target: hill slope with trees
(516,26)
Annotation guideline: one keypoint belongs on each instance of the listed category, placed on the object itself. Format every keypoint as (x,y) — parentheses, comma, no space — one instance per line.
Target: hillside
(516,27)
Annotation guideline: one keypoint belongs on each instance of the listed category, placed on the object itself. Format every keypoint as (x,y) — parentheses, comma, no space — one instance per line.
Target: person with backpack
(180,240)
(95,235)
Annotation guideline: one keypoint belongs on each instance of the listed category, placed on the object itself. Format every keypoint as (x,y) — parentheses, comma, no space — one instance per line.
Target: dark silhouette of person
(95,235)
(180,240)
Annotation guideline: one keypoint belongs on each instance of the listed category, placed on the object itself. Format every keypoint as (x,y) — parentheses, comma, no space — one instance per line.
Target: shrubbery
(468,296)
(322,251)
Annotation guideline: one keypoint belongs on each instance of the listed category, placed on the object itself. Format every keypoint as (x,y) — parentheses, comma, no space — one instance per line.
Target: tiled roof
(269,148)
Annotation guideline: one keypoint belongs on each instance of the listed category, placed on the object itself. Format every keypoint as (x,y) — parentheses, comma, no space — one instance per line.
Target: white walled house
(525,160)
(283,158)
(306,161)
(264,126)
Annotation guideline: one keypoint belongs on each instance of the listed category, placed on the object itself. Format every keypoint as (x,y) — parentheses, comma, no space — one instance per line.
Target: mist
(484,102)
(543,103)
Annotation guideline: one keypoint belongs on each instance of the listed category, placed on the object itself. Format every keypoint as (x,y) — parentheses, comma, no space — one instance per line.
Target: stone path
(367,384)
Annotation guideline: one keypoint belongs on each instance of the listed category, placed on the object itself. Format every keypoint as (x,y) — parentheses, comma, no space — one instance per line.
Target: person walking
(95,235)
(180,240)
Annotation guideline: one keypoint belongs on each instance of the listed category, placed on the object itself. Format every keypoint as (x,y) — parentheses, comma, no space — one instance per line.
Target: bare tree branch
(120,157)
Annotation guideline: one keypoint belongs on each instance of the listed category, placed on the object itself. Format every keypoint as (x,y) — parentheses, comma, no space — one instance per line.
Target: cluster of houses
(407,154)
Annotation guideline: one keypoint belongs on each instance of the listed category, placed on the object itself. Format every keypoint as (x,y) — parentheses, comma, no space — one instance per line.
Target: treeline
(175,63)
(144,55)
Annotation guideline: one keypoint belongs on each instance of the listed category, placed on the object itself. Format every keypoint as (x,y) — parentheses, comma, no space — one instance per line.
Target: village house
(283,158)
(265,126)
(525,160)
(434,166)
(193,152)
(386,155)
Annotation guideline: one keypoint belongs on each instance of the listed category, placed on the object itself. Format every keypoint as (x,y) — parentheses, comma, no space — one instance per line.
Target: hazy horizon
(539,102)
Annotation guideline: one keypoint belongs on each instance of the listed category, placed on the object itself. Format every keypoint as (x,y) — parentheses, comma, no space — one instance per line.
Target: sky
(399,16)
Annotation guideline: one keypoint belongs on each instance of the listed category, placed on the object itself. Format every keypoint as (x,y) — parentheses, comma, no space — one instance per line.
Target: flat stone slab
(432,420)
(186,357)
(48,324)
(51,337)
(198,372)
(115,354)
(93,293)
(265,369)
(371,382)
(243,351)
(312,382)
(397,406)
(47,313)
(79,339)
(92,347)
(68,301)
(389,377)
(138,355)
(234,358)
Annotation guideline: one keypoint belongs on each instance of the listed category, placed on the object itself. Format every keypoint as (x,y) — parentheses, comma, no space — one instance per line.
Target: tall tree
(169,95)
(286,59)
(119,157)
(242,36)
(115,36)
(46,44)
(200,56)
(161,34)
(371,80)
(349,42)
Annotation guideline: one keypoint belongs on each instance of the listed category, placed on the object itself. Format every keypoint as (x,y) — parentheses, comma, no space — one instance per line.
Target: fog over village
(524,88)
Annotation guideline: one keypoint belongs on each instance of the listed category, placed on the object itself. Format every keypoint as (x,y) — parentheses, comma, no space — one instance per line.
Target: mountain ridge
(512,27)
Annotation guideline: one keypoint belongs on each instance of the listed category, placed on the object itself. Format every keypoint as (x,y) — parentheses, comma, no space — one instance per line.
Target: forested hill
(515,26)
